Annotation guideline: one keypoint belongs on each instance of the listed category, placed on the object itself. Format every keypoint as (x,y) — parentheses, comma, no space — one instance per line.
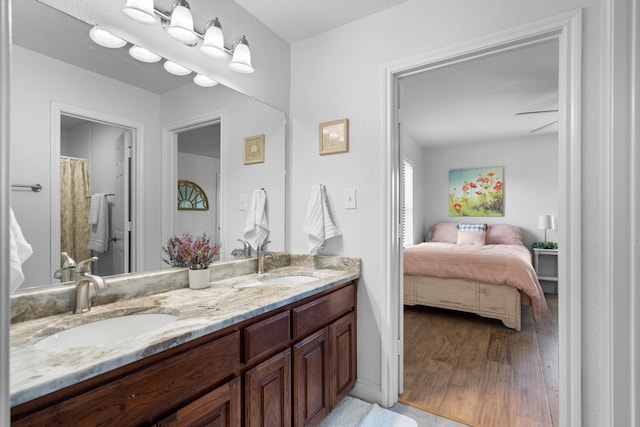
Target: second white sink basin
(106,331)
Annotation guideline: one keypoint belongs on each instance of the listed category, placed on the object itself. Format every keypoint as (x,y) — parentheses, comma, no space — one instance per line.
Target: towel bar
(34,187)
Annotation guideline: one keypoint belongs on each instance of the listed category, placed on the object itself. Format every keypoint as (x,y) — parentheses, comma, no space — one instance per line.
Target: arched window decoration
(191,196)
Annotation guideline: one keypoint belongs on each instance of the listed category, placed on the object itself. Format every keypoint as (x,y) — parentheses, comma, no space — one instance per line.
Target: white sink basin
(289,280)
(106,331)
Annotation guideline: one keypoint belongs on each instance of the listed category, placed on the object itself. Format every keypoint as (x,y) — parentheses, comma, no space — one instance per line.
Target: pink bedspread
(497,264)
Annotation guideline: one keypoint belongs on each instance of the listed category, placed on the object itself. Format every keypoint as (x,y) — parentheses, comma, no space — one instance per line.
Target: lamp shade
(144,55)
(176,69)
(105,38)
(213,44)
(241,60)
(546,222)
(181,26)
(140,10)
(204,81)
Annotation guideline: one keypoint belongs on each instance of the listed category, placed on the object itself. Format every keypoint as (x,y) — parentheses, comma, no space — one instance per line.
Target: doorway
(566,29)
(108,146)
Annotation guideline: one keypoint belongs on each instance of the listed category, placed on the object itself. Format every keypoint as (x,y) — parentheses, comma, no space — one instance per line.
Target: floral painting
(476,192)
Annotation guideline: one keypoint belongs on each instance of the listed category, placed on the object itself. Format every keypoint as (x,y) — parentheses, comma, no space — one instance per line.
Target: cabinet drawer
(446,292)
(312,316)
(266,335)
(144,395)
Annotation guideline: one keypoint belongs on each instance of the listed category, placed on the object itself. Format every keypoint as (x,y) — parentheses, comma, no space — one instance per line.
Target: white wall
(201,170)
(36,82)
(322,91)
(530,181)
(242,117)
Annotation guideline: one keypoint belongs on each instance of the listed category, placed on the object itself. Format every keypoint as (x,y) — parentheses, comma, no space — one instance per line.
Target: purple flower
(185,251)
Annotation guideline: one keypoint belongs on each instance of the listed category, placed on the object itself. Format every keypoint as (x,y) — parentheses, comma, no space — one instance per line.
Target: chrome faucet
(244,252)
(83,280)
(261,256)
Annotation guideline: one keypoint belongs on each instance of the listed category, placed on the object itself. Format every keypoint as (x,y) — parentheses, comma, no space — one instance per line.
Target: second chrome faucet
(84,279)
(262,254)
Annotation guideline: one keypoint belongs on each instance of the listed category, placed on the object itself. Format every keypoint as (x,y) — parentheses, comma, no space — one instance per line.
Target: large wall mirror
(123,121)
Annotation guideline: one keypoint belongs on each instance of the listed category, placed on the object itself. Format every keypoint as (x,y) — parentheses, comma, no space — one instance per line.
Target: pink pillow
(504,234)
(474,238)
(445,232)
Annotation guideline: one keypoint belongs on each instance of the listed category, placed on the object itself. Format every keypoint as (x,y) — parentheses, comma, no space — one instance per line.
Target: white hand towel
(256,228)
(99,237)
(19,251)
(319,224)
(94,208)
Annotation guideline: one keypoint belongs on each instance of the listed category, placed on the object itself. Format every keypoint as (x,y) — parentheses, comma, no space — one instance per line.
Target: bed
(476,268)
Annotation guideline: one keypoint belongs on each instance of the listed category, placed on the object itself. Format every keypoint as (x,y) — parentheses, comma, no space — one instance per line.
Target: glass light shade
(204,81)
(144,55)
(176,69)
(140,10)
(213,44)
(241,61)
(181,26)
(105,38)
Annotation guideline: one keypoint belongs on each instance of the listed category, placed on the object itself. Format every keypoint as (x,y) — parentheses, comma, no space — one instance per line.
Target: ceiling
(471,101)
(295,20)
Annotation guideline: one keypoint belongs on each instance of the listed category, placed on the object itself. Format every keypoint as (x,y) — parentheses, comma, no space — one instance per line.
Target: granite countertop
(36,372)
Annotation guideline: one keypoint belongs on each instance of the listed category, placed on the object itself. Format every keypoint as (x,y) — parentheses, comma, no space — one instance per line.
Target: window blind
(407,203)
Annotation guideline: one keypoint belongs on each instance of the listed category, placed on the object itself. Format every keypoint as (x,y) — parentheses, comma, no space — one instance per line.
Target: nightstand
(546,273)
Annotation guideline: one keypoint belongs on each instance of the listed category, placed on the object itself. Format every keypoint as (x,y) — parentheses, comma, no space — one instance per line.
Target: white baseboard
(367,391)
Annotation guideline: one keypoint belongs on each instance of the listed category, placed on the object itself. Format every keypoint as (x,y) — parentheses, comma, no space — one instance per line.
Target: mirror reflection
(66,92)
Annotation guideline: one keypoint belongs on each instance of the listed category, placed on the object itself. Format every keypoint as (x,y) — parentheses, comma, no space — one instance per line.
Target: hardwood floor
(478,371)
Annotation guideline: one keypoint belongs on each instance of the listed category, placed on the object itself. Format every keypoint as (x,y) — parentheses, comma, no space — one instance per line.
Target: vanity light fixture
(213,43)
(179,24)
(175,68)
(204,81)
(241,61)
(105,38)
(143,55)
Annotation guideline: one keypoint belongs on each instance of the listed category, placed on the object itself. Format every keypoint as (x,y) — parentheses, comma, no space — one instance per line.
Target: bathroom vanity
(248,351)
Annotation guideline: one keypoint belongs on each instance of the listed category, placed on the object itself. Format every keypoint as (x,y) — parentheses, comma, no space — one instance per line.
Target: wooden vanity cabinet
(220,408)
(288,367)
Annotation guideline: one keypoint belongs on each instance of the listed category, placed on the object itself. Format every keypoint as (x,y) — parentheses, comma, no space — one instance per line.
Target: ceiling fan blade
(543,127)
(536,112)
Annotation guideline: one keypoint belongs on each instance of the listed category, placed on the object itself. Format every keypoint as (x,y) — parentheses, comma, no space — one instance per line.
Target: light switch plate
(350,198)
(244,202)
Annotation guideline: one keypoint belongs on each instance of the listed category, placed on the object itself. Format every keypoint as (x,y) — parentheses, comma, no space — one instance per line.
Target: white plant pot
(199,279)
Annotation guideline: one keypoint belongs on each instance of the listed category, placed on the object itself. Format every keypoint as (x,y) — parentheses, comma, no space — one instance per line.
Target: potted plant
(195,253)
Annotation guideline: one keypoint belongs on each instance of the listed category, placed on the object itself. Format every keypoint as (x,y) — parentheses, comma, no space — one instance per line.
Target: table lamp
(546,222)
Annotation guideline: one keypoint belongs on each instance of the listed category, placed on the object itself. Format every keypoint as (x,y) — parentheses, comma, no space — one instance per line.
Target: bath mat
(352,412)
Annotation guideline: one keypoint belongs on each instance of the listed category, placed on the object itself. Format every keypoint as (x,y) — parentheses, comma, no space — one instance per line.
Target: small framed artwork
(254,149)
(334,137)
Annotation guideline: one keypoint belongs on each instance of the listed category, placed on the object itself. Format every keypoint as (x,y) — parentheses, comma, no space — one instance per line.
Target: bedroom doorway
(564,30)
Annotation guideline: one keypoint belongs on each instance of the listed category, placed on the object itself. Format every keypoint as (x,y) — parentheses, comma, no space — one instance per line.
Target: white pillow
(473,238)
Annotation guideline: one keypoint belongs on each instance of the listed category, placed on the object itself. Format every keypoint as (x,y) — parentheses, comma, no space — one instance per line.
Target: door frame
(170,170)
(567,29)
(135,179)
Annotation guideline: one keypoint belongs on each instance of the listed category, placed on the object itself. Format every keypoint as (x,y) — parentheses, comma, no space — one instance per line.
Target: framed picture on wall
(254,149)
(334,137)
(476,191)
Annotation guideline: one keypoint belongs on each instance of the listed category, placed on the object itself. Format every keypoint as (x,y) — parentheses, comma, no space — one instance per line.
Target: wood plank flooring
(478,371)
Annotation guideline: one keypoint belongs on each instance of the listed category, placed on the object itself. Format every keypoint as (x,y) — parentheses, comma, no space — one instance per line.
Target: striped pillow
(472,227)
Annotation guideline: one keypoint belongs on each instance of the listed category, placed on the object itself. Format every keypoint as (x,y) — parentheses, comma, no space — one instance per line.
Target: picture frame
(334,137)
(476,192)
(254,149)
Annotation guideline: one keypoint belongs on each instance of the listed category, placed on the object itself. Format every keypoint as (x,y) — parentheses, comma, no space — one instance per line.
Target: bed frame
(484,299)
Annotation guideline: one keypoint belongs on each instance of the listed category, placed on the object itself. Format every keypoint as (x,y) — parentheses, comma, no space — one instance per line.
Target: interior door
(121,218)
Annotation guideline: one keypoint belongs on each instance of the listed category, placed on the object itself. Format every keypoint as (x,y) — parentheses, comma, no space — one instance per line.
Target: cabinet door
(311,379)
(343,357)
(220,408)
(268,392)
